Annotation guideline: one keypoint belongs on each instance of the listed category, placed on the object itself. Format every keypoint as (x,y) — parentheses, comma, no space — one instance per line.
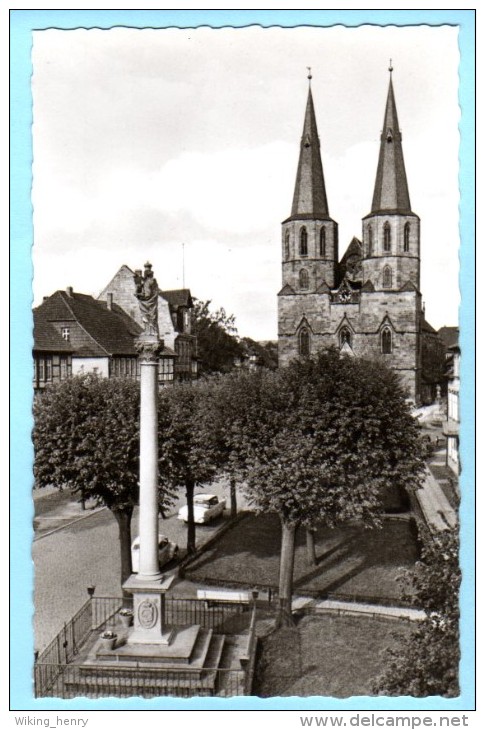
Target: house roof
(47,338)
(177,297)
(450,336)
(112,331)
(426,327)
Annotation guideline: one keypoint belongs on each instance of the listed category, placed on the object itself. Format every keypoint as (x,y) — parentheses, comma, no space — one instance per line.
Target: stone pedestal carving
(148,610)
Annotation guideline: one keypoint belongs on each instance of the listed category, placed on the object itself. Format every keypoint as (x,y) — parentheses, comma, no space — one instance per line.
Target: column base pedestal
(149,610)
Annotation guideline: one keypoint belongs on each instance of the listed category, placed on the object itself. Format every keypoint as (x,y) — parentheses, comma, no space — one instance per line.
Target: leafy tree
(428,663)
(322,439)
(186,459)
(264,355)
(86,438)
(217,344)
(226,407)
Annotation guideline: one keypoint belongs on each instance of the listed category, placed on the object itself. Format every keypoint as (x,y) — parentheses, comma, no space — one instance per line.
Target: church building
(368,302)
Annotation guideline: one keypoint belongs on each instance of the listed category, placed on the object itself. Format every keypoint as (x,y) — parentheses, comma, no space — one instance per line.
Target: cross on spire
(391,69)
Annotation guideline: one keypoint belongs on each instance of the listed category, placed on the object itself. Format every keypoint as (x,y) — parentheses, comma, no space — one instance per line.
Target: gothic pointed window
(386,341)
(369,240)
(407,229)
(304,279)
(345,338)
(303,242)
(304,342)
(323,241)
(287,245)
(387,236)
(387,277)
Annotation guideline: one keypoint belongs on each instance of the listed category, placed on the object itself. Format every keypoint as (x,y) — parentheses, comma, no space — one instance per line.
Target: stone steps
(199,677)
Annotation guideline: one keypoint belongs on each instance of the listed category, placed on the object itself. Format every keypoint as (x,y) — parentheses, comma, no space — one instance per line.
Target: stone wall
(405,265)
(397,310)
(320,268)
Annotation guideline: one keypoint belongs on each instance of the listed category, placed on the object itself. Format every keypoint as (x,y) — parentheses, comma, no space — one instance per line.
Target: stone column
(149,585)
(149,349)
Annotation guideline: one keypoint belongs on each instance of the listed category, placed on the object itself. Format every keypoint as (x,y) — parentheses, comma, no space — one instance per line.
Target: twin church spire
(391,193)
(366,302)
(391,188)
(310,197)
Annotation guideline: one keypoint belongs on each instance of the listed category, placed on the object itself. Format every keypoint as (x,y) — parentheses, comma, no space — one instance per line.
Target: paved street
(73,549)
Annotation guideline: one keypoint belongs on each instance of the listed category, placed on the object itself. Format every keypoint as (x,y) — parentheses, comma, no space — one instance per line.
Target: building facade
(368,302)
(451,427)
(174,319)
(75,333)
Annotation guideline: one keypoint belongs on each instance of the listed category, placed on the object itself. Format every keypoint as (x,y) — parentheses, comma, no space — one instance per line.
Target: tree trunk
(189,491)
(311,556)
(233,497)
(287,560)
(123,518)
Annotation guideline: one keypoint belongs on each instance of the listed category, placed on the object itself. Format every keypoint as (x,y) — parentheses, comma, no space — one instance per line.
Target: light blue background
(23,22)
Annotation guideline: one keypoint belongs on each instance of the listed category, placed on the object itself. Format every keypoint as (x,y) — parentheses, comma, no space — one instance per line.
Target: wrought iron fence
(57,675)
(68,681)
(70,639)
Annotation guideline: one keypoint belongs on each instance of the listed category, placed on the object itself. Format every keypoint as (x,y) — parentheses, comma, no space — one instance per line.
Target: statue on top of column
(147,295)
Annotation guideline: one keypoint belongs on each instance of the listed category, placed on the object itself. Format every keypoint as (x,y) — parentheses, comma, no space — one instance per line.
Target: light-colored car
(206,508)
(166,551)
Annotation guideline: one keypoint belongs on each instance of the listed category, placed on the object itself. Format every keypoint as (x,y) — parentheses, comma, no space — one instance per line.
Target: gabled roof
(287,289)
(354,247)
(112,330)
(409,286)
(177,297)
(47,338)
(368,286)
(426,327)
(450,336)
(391,192)
(323,288)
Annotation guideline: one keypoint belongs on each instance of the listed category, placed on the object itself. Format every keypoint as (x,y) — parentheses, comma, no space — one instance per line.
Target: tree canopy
(86,439)
(318,443)
(217,344)
(186,456)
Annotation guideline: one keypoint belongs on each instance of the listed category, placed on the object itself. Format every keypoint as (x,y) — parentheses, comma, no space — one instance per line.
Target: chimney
(69,291)
(109,298)
(45,298)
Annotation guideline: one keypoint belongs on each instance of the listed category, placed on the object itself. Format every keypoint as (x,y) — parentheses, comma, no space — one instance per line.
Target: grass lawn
(352,562)
(330,656)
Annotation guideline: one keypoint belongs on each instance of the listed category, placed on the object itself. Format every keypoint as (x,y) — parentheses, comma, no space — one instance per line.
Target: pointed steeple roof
(310,198)
(391,189)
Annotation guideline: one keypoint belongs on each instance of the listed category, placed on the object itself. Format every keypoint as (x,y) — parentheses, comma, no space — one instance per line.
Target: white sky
(148,139)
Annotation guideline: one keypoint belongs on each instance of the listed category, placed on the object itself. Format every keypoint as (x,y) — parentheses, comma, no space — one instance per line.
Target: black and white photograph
(246,362)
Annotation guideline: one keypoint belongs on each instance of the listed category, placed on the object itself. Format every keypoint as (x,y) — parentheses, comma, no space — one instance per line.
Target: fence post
(90,589)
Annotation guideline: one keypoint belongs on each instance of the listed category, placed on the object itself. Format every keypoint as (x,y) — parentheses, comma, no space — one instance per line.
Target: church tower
(309,235)
(390,232)
(368,303)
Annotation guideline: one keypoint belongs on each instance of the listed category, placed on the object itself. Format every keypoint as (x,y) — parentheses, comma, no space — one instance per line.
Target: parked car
(206,508)
(166,551)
